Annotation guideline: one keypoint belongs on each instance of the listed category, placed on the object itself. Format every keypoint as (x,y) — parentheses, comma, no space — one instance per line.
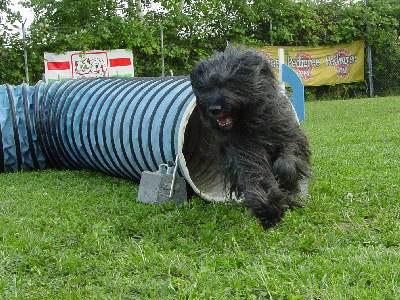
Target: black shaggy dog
(263,154)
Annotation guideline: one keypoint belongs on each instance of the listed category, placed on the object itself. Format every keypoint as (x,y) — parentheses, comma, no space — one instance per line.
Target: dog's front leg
(289,167)
(264,197)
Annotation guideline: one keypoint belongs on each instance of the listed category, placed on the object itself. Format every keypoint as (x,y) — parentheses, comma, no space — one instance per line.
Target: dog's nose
(215,109)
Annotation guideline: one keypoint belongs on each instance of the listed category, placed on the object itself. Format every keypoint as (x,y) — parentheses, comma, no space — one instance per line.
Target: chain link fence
(386,71)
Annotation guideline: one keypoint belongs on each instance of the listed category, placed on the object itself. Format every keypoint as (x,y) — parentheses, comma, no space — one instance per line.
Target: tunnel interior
(201,160)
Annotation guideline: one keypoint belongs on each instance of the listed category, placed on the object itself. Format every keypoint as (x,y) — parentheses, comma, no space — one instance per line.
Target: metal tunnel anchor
(162,185)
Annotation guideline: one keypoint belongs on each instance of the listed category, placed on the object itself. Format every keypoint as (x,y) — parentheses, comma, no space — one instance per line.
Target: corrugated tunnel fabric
(120,126)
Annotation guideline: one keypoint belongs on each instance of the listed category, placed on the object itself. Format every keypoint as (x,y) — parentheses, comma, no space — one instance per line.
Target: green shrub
(194,29)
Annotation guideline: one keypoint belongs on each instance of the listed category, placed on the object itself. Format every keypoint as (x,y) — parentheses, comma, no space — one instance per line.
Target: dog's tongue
(223,121)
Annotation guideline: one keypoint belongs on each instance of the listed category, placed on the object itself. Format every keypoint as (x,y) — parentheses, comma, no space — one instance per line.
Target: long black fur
(264,153)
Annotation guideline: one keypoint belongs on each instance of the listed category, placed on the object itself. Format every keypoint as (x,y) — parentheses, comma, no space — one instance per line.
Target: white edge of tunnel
(181,158)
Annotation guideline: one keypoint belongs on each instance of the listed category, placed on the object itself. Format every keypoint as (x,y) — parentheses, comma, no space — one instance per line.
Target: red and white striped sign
(95,63)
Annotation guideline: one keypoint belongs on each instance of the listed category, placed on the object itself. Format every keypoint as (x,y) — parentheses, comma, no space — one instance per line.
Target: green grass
(78,235)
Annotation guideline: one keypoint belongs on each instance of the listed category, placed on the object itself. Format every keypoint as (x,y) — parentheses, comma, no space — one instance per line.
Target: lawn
(76,235)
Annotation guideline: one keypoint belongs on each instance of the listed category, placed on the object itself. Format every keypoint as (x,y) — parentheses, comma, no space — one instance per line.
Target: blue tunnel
(120,126)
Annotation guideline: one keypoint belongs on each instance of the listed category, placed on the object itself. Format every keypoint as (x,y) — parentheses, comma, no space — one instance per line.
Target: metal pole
(369,63)
(171,192)
(281,60)
(270,33)
(162,53)
(25,52)
(370,75)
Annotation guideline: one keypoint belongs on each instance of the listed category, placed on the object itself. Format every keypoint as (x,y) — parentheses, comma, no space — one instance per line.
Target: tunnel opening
(199,159)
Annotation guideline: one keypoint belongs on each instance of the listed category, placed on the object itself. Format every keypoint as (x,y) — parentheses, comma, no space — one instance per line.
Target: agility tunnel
(120,126)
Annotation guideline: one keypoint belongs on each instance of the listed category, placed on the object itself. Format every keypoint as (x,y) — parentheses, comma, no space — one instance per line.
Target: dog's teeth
(224,122)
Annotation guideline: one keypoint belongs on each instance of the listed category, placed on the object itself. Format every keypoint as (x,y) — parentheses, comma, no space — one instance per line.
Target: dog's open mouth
(225,122)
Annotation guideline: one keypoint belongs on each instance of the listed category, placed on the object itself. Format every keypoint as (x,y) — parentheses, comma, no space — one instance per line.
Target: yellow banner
(316,66)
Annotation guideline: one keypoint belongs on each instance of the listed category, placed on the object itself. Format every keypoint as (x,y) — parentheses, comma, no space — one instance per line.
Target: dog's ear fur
(196,74)
(267,70)
(235,63)
(253,63)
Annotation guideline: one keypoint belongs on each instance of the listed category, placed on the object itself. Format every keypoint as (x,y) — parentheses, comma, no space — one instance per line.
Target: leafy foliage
(10,44)
(194,29)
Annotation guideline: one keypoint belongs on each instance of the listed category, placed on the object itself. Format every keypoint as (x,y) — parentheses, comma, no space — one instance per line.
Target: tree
(193,29)
(10,44)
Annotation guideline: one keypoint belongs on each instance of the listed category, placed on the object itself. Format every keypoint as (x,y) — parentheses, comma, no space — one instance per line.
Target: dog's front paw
(273,218)
(271,210)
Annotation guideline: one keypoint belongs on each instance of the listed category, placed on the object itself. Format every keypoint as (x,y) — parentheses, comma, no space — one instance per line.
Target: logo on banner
(304,64)
(94,63)
(342,61)
(89,64)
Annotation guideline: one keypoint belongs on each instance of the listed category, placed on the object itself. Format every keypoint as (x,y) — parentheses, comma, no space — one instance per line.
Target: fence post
(162,52)
(369,63)
(370,74)
(25,52)
(281,61)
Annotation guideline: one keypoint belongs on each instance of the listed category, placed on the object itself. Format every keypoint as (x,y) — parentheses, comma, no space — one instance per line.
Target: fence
(386,72)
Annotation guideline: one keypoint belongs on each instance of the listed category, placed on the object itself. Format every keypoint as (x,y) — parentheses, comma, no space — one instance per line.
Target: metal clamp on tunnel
(162,185)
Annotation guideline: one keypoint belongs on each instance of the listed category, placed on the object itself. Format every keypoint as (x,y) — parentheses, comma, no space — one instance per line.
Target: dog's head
(230,85)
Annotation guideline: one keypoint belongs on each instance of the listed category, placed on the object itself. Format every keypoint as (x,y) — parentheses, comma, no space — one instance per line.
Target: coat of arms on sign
(89,64)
